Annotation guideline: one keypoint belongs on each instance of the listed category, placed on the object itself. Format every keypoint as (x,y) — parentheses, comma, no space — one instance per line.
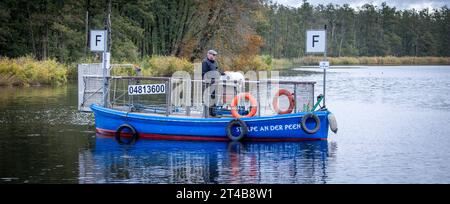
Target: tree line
(187,28)
(367,31)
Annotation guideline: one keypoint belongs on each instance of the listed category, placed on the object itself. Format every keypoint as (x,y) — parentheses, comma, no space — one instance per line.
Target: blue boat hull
(265,128)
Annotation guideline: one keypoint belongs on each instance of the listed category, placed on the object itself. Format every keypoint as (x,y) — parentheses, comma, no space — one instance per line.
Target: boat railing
(185,96)
(193,91)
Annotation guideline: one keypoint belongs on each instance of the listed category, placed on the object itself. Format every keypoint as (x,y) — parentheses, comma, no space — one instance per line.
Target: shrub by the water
(26,71)
(154,66)
(246,63)
(167,65)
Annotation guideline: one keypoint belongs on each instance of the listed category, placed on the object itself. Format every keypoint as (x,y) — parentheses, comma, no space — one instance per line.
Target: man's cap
(212,52)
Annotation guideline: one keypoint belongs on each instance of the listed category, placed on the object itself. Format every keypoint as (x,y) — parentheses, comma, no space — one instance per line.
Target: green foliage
(246,63)
(167,65)
(26,71)
(267,59)
(239,30)
(155,66)
(72,71)
(282,63)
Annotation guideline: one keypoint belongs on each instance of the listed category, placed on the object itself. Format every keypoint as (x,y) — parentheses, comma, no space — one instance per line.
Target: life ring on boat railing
(243,131)
(133,138)
(316,121)
(253,105)
(291,99)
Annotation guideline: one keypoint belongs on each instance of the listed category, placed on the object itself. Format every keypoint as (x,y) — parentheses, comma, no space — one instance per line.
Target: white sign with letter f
(98,40)
(315,41)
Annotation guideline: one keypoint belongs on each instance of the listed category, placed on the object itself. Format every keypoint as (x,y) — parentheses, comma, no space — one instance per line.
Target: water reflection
(151,161)
(393,128)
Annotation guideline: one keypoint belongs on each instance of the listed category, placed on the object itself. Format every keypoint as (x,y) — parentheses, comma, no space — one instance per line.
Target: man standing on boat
(209,64)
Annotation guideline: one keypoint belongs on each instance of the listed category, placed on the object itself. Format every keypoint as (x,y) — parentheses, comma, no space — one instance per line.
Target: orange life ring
(291,101)
(248,97)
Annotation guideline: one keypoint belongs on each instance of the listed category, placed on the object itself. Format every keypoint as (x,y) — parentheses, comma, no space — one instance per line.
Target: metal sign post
(98,42)
(105,65)
(316,43)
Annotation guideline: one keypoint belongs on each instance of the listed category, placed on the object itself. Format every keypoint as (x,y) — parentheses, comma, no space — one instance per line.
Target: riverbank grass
(387,60)
(25,71)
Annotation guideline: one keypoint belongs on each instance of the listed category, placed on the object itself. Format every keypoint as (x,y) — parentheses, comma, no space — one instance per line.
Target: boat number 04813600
(146,89)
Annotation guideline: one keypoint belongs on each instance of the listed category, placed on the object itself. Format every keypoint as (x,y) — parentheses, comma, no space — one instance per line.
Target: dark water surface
(394,127)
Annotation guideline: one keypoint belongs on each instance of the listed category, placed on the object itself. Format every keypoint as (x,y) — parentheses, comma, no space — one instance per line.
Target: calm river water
(394,127)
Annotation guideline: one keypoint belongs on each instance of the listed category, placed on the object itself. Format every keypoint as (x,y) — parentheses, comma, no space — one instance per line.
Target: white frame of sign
(105,33)
(306,41)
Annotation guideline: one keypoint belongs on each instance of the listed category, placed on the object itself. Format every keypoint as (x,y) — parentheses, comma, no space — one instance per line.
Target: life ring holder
(134,135)
(243,133)
(253,105)
(291,99)
(316,120)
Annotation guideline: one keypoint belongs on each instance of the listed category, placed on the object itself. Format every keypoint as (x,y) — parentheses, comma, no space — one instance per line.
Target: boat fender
(253,103)
(333,123)
(242,133)
(290,96)
(134,136)
(316,120)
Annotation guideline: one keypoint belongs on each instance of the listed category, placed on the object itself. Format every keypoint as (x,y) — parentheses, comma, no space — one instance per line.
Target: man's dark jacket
(209,65)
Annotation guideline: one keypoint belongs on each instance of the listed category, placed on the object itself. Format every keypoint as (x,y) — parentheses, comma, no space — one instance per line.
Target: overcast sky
(399,4)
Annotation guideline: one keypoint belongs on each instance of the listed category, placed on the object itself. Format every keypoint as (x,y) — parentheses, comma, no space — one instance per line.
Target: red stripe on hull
(110,133)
